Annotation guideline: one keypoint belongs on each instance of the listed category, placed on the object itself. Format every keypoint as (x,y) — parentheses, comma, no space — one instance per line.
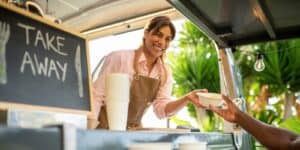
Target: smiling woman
(103,46)
(151,78)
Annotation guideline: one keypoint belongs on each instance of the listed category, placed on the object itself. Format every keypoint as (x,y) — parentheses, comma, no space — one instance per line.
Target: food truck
(48,78)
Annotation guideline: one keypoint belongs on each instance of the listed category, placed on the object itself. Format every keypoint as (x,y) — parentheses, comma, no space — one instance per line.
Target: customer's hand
(230,113)
(193,97)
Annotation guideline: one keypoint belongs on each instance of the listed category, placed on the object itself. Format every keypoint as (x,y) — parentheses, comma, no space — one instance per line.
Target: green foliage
(180,122)
(195,66)
(292,124)
(282,64)
(280,74)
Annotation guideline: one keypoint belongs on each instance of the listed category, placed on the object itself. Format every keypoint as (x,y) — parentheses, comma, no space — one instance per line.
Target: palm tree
(281,74)
(195,66)
(279,79)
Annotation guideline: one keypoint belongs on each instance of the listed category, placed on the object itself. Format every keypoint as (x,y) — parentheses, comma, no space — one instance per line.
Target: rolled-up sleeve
(163,97)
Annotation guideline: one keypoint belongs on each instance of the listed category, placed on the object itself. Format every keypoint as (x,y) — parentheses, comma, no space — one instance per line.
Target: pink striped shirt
(122,62)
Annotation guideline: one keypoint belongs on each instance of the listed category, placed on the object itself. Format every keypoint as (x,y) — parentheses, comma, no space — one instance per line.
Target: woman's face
(157,42)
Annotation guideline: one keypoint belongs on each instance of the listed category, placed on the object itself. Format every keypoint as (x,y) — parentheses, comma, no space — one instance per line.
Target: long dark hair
(158,22)
(154,25)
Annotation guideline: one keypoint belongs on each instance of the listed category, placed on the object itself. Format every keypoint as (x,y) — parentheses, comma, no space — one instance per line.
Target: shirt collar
(142,59)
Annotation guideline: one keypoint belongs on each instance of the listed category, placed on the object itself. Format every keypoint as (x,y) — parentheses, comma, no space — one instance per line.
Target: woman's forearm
(174,106)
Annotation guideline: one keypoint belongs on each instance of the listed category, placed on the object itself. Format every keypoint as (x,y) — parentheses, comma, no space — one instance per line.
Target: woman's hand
(97,97)
(193,97)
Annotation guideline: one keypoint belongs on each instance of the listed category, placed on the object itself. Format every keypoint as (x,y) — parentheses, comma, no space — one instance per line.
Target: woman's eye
(159,34)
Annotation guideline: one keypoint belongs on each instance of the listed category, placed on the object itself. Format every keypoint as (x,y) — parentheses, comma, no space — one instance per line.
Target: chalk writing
(45,68)
(49,42)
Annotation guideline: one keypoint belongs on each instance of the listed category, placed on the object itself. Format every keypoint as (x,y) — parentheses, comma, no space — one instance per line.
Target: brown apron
(143,91)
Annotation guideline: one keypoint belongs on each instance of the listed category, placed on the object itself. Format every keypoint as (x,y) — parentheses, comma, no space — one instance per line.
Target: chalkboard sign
(40,63)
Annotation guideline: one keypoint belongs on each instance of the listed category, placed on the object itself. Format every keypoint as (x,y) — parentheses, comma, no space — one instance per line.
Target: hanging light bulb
(259,63)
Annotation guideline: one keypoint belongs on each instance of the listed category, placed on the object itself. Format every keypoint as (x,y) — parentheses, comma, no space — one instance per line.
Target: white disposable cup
(117,115)
(117,100)
(117,87)
(193,146)
(150,146)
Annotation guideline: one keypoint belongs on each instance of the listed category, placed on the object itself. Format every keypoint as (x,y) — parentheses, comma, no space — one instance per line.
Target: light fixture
(259,63)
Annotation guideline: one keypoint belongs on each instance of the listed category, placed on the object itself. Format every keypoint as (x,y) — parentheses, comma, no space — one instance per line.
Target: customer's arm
(271,137)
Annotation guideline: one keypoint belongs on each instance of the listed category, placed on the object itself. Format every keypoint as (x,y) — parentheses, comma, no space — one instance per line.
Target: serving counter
(70,138)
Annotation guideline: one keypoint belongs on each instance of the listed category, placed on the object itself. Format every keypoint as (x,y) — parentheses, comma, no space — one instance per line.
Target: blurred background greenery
(271,94)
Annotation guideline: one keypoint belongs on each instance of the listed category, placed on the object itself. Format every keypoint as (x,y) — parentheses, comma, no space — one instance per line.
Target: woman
(151,79)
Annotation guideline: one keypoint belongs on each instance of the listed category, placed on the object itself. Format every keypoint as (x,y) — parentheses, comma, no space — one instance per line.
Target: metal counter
(61,138)
(30,139)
